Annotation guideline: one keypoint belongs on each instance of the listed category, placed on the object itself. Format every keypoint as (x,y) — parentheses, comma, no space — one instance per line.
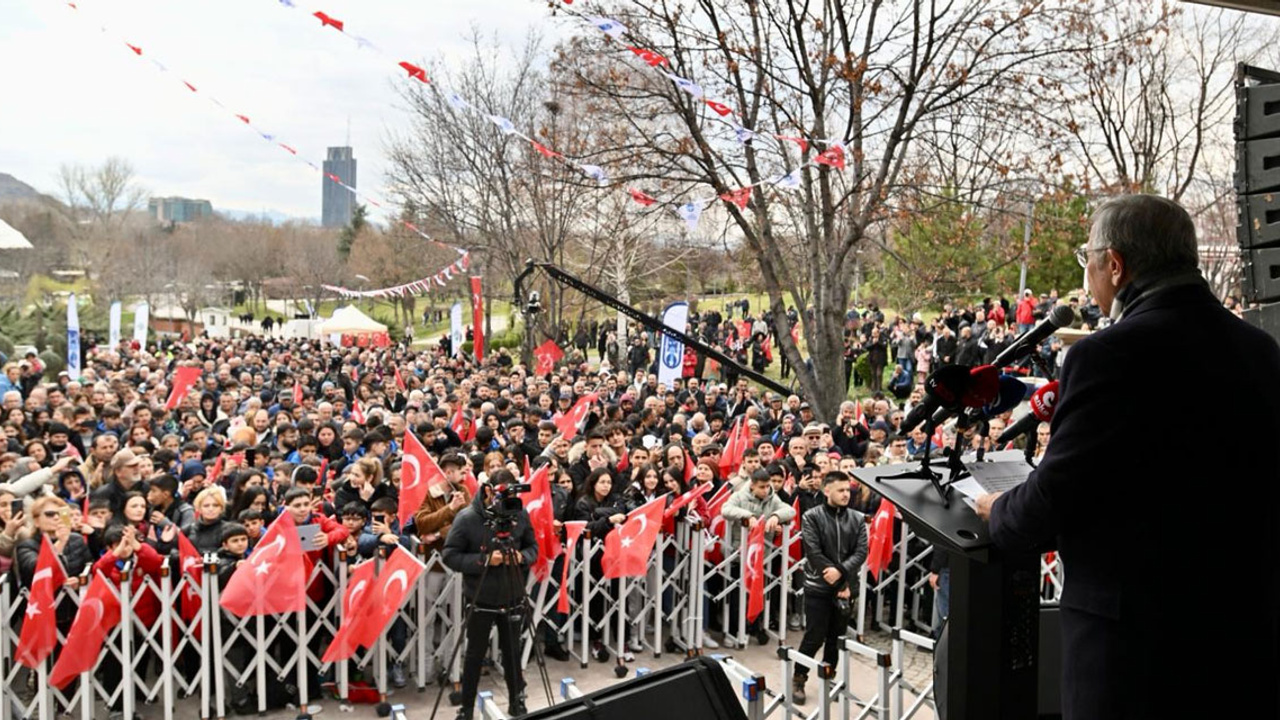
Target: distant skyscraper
(338,202)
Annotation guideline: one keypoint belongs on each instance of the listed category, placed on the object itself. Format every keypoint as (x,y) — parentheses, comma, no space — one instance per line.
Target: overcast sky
(70,93)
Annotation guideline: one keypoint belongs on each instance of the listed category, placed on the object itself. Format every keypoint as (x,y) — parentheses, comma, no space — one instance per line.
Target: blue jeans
(941,600)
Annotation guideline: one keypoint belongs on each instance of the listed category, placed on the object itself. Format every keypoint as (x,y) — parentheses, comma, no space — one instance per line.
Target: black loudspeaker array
(1257,181)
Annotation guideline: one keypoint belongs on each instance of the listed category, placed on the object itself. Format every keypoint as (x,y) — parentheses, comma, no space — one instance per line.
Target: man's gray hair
(1155,235)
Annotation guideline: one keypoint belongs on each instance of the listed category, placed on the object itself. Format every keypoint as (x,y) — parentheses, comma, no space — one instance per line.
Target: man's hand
(63,464)
(752,522)
(431,538)
(321,541)
(845,594)
(169,532)
(984,503)
(496,558)
(617,518)
(933,580)
(458,501)
(831,575)
(771,525)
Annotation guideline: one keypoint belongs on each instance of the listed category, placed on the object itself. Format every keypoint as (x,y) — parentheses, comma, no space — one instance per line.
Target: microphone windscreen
(1062,316)
(1012,392)
(983,387)
(1044,400)
(383,709)
(948,385)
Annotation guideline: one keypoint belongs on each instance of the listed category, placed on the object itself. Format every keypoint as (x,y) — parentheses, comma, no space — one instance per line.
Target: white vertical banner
(456,337)
(73,338)
(113,332)
(671,353)
(141,316)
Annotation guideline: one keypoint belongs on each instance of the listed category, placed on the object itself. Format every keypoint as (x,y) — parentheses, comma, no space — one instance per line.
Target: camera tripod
(511,562)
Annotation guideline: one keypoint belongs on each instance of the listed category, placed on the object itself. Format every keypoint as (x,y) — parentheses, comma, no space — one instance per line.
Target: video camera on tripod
(504,508)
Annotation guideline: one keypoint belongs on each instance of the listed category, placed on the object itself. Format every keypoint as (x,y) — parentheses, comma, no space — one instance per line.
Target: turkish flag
(688,468)
(386,595)
(880,551)
(715,523)
(569,423)
(859,416)
(99,612)
(537,502)
(40,625)
(473,485)
(192,566)
(183,378)
(688,497)
(627,549)
(731,458)
(833,156)
(720,108)
(572,531)
(739,197)
(460,425)
(414,71)
(328,20)
(797,546)
(274,579)
(803,143)
(357,413)
(652,58)
(545,151)
(297,392)
(641,197)
(547,354)
(477,318)
(753,571)
(359,582)
(399,380)
(418,474)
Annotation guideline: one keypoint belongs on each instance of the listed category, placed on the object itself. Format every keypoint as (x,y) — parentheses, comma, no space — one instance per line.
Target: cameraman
(474,547)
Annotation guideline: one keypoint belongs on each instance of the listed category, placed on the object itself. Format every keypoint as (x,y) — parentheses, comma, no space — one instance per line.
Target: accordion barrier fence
(693,583)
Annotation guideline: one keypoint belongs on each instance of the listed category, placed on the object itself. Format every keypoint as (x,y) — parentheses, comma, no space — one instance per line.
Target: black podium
(989,669)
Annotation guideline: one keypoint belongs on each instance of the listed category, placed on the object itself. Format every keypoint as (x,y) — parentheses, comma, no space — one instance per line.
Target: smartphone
(15,507)
(65,514)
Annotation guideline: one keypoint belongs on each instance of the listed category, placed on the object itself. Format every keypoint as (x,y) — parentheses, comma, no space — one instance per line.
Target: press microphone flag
(1043,402)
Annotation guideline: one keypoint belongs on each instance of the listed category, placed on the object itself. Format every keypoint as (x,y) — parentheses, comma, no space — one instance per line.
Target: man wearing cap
(125,471)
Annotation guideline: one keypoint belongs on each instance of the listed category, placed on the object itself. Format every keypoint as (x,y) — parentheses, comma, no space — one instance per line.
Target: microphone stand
(926,472)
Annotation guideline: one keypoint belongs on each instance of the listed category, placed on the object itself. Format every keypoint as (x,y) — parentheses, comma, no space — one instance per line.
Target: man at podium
(1170,607)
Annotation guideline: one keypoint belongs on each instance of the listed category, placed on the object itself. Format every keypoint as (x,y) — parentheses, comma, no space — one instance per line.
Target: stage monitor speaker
(694,689)
(1048,667)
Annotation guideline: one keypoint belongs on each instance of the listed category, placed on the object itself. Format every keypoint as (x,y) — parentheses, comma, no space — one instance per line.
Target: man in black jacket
(1110,493)
(835,545)
(494,574)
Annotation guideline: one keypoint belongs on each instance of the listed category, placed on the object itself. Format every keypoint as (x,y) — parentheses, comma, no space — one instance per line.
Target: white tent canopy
(11,239)
(350,321)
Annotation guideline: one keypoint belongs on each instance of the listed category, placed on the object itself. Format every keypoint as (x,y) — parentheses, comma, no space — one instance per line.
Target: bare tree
(866,78)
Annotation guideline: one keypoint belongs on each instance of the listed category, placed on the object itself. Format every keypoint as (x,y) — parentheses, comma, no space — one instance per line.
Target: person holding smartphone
(12,521)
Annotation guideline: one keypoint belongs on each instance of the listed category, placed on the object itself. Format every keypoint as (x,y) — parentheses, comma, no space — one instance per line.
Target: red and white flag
(40,625)
(641,197)
(99,612)
(735,448)
(477,318)
(572,531)
(418,474)
(880,544)
(192,569)
(538,503)
(465,429)
(627,549)
(387,594)
(569,423)
(359,582)
(753,571)
(357,413)
(297,392)
(693,494)
(832,156)
(547,355)
(183,378)
(274,578)
(399,380)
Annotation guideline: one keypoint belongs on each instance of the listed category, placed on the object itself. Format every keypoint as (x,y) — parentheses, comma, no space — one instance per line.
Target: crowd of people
(100,467)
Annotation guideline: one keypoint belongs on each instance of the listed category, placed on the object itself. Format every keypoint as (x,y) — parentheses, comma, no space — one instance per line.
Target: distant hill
(11,188)
(274,217)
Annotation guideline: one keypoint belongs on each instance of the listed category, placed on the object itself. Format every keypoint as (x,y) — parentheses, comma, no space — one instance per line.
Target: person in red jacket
(297,502)
(1025,314)
(123,544)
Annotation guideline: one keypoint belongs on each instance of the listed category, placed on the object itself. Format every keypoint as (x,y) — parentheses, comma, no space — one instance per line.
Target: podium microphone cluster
(1043,402)
(949,389)
(1060,316)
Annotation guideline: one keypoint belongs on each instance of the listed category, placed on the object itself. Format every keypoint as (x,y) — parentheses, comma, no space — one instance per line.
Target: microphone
(984,386)
(1043,402)
(1012,392)
(1059,316)
(943,388)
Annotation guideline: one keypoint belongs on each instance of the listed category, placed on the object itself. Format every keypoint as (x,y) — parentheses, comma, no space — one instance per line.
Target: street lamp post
(1026,247)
